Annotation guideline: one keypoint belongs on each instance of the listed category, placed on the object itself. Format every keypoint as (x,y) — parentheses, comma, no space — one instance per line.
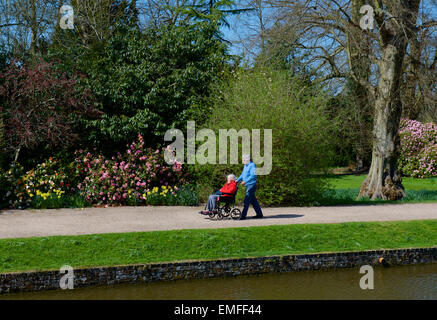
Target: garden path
(31,223)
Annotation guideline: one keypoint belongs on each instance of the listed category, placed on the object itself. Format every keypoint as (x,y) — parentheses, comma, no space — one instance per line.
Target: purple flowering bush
(139,176)
(418,156)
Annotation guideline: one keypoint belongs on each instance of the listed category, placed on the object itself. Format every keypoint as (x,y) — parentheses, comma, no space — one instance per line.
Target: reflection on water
(401,282)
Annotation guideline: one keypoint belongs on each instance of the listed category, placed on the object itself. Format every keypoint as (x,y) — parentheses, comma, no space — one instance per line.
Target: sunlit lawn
(355,181)
(42,253)
(344,189)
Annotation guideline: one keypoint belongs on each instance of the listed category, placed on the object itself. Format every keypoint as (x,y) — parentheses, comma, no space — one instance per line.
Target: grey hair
(233,177)
(246,157)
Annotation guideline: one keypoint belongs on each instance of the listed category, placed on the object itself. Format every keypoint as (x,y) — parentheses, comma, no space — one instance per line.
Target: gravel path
(30,223)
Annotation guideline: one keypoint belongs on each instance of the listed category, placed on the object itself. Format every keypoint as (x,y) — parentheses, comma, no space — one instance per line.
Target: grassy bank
(344,190)
(146,247)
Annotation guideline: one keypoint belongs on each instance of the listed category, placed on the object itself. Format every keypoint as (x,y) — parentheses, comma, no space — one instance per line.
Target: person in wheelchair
(228,190)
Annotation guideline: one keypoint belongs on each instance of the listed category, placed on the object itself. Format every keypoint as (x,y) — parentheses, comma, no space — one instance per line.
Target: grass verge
(344,190)
(42,253)
(355,181)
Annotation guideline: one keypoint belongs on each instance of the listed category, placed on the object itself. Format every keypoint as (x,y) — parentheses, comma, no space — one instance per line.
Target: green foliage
(149,81)
(212,11)
(295,111)
(353,138)
(186,196)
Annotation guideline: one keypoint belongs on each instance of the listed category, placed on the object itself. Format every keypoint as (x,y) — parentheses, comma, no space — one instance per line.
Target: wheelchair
(226,208)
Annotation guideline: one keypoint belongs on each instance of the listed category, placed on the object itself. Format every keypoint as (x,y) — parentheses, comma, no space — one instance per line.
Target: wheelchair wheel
(226,211)
(236,214)
(211,214)
(220,215)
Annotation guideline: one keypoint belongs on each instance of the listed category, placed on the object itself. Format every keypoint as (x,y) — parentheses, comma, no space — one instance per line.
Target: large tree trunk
(384,180)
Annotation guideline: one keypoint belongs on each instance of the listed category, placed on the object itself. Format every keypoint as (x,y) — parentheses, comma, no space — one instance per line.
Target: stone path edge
(202,269)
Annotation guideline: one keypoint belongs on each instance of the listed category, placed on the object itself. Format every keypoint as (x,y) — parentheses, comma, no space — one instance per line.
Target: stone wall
(45,280)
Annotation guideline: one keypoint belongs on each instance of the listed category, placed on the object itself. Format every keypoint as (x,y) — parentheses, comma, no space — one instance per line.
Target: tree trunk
(17,152)
(384,181)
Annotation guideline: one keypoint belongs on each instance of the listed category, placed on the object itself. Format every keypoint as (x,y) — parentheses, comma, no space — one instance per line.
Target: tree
(24,24)
(147,82)
(95,21)
(360,64)
(40,107)
(327,28)
(418,84)
(384,180)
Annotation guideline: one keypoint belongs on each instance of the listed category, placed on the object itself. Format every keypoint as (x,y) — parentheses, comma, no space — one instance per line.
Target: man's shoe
(242,218)
(257,217)
(205,213)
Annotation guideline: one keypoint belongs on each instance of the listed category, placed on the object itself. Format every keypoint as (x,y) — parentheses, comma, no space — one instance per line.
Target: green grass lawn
(355,181)
(344,190)
(42,253)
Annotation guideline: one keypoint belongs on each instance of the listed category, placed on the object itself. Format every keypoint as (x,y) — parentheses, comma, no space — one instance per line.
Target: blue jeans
(251,199)
(211,204)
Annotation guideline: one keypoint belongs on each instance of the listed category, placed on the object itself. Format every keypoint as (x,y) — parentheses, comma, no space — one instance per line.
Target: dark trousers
(251,199)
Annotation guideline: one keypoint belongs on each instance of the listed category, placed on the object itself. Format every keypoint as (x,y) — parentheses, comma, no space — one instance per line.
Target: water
(400,282)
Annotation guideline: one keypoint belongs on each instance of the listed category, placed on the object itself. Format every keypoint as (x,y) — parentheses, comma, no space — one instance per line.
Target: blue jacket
(249,174)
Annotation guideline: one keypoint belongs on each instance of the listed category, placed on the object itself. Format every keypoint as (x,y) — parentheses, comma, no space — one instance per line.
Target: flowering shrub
(418,156)
(127,178)
(12,187)
(140,176)
(48,180)
(46,177)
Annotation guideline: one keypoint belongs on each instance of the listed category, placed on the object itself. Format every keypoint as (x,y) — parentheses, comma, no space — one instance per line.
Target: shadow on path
(278,216)
(281,216)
